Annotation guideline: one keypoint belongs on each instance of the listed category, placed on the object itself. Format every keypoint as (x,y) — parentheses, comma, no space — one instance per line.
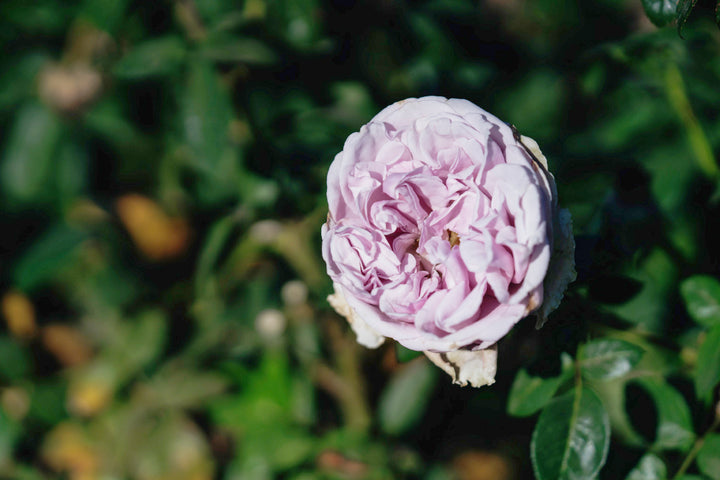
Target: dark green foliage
(684,8)
(163,306)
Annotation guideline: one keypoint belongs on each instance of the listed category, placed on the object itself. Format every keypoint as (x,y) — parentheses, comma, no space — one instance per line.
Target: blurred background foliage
(162,183)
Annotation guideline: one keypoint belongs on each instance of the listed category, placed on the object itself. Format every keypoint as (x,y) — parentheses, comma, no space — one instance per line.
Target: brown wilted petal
(468,367)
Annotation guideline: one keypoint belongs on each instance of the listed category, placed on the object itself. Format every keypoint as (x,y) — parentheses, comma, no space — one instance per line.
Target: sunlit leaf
(707,374)
(608,358)
(660,12)
(159,56)
(650,467)
(571,438)
(708,458)
(702,299)
(403,401)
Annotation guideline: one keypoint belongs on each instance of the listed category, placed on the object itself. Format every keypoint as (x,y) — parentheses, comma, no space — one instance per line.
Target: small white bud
(266,231)
(270,323)
(294,293)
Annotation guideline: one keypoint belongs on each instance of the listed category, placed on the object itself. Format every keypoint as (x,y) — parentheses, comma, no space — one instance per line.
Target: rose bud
(444,232)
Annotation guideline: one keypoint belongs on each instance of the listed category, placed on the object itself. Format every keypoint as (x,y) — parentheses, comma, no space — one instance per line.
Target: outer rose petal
(476,368)
(366,336)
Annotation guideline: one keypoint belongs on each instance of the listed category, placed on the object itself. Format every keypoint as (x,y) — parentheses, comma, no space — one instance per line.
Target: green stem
(677,96)
(696,448)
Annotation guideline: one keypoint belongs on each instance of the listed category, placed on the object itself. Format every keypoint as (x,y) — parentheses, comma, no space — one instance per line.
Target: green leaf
(238,50)
(683,12)
(403,401)
(660,12)
(707,374)
(702,299)
(25,169)
(140,343)
(608,358)
(184,388)
(536,104)
(104,14)
(205,117)
(18,79)
(14,360)
(212,247)
(295,20)
(571,438)
(47,256)
(674,429)
(71,171)
(9,434)
(48,400)
(156,57)
(708,459)
(529,394)
(650,467)
(107,121)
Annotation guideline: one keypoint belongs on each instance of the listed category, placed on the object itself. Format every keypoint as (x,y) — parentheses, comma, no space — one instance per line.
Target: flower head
(442,225)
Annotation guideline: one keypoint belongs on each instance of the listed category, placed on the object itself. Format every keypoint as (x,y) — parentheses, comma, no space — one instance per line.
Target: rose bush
(441,229)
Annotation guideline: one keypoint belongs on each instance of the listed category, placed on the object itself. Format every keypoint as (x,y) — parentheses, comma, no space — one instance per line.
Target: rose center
(453,238)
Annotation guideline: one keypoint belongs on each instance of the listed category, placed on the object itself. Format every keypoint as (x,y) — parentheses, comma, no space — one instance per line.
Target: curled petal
(366,336)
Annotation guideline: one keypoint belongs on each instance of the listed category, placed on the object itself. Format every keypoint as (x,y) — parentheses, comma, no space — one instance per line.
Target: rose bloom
(444,232)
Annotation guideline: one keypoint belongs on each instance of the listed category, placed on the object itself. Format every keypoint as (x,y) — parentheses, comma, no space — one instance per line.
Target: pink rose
(442,225)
